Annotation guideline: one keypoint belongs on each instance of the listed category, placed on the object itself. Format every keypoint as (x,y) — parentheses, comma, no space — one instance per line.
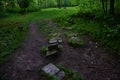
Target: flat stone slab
(53,40)
(50,69)
(49,53)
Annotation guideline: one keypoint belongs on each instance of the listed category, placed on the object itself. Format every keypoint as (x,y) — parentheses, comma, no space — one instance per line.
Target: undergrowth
(105,29)
(10,39)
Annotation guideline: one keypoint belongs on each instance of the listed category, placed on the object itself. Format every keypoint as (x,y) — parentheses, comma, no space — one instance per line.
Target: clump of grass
(76,42)
(74,39)
(70,74)
(59,48)
(44,50)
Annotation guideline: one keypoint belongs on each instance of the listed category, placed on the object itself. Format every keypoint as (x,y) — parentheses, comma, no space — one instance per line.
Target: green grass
(10,34)
(104,30)
(49,13)
(43,50)
(74,39)
(10,40)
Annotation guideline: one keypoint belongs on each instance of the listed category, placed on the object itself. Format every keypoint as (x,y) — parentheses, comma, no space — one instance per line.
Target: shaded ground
(92,61)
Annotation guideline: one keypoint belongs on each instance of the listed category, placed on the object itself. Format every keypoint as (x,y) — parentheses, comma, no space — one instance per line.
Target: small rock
(51,69)
(60,75)
(53,40)
(60,41)
(75,38)
(96,46)
(90,42)
(69,28)
(92,62)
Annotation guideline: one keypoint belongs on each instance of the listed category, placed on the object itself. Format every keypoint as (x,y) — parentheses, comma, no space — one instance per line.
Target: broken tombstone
(53,40)
(53,49)
(50,69)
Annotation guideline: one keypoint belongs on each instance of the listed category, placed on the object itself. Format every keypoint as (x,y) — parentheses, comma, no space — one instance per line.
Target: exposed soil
(91,60)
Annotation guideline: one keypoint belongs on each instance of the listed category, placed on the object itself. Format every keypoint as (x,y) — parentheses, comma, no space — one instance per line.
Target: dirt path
(27,60)
(91,61)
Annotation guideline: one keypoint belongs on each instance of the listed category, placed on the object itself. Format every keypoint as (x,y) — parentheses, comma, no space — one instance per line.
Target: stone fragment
(60,75)
(53,40)
(50,69)
(49,53)
(60,41)
(52,49)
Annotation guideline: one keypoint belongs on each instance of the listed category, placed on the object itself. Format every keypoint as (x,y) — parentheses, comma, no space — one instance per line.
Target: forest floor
(92,61)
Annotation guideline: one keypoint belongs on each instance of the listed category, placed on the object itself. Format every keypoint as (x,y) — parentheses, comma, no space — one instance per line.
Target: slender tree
(65,3)
(12,3)
(104,5)
(1,8)
(23,4)
(112,3)
(70,3)
(59,3)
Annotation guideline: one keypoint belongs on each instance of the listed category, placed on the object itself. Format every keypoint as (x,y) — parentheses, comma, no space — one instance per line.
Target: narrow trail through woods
(91,61)
(27,60)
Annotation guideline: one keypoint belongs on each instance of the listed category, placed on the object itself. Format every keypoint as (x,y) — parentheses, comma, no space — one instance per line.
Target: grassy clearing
(43,14)
(14,27)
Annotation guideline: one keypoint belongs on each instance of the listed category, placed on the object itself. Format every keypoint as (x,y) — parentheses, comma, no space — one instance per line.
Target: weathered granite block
(50,69)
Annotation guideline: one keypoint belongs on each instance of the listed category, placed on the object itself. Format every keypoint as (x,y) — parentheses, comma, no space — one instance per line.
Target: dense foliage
(23,3)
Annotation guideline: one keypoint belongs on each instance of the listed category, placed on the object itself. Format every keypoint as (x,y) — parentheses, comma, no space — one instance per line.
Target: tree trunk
(103,5)
(70,3)
(12,3)
(112,3)
(65,3)
(59,3)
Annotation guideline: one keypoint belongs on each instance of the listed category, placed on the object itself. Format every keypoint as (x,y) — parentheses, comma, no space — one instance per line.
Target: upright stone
(52,49)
